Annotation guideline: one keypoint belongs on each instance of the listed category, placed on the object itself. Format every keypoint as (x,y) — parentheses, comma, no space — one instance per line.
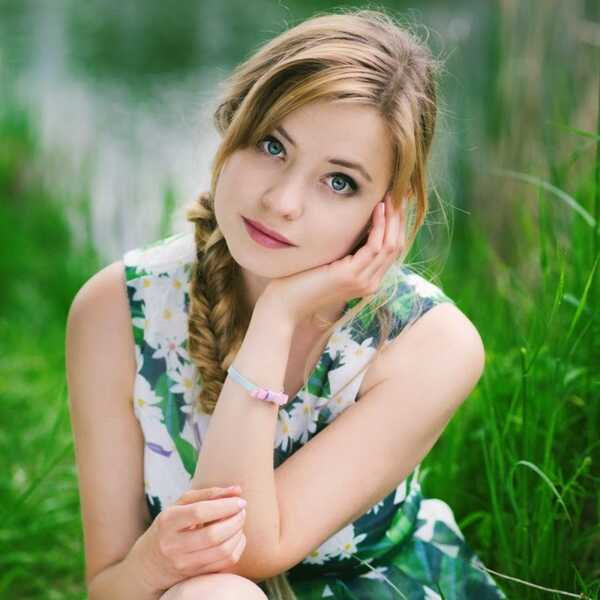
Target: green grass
(41,269)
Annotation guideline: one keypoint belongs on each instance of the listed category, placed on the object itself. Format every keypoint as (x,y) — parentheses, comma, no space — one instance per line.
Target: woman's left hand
(303,294)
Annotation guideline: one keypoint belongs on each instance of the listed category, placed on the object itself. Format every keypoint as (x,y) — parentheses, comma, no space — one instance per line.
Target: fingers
(378,232)
(385,241)
(394,235)
(225,556)
(200,513)
(194,495)
(212,535)
(370,249)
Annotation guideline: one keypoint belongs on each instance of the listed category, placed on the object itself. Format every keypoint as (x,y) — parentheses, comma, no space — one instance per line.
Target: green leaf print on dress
(404,546)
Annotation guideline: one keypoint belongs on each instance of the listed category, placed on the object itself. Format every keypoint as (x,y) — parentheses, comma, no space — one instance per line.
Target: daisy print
(167,334)
(165,474)
(376,507)
(347,541)
(149,288)
(304,415)
(184,377)
(400,495)
(421,286)
(145,401)
(154,258)
(337,342)
(139,358)
(159,279)
(283,434)
(341,545)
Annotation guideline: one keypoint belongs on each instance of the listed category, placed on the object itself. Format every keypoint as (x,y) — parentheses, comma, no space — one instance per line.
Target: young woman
(292,281)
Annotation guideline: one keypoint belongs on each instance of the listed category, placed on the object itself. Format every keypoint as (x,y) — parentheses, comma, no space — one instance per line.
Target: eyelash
(353,185)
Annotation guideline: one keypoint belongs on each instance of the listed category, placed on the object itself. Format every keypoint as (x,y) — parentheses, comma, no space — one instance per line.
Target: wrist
(262,358)
(269,307)
(140,565)
(270,329)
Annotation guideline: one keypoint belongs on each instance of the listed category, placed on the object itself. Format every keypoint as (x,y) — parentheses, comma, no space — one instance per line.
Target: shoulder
(440,332)
(446,324)
(429,325)
(433,315)
(160,257)
(414,294)
(443,345)
(98,331)
(105,304)
(102,295)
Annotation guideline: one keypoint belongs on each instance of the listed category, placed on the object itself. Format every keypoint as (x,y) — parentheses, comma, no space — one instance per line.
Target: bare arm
(374,444)
(101,368)
(239,443)
(123,580)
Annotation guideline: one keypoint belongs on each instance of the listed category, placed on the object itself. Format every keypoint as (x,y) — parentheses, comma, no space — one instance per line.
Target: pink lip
(267,231)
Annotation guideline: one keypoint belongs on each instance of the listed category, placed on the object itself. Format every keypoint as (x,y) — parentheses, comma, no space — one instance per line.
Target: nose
(286,199)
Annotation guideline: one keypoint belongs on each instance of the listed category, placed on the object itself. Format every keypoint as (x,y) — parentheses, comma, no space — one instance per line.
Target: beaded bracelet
(278,398)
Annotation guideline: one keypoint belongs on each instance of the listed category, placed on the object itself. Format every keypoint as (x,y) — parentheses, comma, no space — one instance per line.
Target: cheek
(358,240)
(219,200)
(339,242)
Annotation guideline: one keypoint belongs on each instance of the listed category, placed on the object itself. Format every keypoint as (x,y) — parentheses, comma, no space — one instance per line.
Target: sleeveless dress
(404,546)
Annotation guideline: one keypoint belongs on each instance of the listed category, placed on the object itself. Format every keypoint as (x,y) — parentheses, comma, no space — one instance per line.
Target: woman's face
(292,189)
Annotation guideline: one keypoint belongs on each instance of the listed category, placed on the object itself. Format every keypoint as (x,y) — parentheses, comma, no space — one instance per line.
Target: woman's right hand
(201,533)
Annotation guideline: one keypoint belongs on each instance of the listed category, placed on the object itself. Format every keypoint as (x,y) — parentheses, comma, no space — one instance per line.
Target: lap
(217,586)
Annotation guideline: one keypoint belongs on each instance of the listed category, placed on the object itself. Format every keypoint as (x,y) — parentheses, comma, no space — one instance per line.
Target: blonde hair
(360,56)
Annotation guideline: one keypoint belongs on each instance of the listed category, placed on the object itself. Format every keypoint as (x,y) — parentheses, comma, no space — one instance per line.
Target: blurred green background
(105,133)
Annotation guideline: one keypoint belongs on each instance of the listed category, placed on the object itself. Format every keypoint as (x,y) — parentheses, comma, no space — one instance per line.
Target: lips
(269,232)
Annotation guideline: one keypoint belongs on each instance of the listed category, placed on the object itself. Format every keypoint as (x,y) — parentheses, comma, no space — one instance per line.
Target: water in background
(123,94)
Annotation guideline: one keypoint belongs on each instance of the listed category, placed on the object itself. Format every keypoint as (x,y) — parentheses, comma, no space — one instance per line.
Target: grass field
(520,461)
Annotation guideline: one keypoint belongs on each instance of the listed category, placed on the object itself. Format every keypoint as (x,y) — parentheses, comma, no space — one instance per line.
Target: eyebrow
(334,161)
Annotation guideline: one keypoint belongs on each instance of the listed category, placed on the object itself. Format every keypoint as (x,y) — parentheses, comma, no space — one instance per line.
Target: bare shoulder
(446,322)
(444,326)
(99,321)
(103,293)
(101,370)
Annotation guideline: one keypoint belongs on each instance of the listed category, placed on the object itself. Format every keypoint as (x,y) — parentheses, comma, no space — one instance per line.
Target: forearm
(238,447)
(123,581)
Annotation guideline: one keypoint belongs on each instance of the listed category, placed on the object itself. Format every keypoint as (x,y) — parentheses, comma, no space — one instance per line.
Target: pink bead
(264,394)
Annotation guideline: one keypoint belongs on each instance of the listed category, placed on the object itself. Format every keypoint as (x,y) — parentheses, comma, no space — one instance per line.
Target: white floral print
(174,425)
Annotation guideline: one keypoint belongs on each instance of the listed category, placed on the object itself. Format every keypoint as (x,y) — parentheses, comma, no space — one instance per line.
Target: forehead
(349,122)
(348,131)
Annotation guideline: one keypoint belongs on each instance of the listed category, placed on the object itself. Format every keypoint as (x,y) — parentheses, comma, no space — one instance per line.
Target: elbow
(256,563)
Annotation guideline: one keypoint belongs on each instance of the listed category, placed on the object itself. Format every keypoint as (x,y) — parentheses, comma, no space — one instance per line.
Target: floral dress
(404,546)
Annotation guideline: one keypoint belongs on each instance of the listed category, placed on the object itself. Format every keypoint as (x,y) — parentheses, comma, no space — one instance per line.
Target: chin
(258,266)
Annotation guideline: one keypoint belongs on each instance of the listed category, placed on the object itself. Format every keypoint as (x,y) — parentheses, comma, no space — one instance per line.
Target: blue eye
(345,180)
(269,139)
(348,180)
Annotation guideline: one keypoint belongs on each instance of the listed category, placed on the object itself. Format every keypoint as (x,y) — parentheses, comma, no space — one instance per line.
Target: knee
(215,586)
